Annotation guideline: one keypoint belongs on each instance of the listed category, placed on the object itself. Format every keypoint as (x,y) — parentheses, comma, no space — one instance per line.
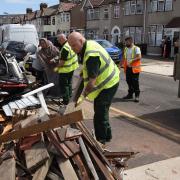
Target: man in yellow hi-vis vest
(132,68)
(101,81)
(68,63)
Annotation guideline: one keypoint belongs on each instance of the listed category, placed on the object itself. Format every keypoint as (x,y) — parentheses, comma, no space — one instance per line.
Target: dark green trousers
(65,82)
(101,114)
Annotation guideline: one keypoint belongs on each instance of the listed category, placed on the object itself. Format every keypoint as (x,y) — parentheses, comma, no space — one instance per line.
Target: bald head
(76,41)
(61,38)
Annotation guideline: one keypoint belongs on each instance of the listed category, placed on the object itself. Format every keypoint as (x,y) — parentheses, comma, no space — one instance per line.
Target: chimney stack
(43,6)
(28,10)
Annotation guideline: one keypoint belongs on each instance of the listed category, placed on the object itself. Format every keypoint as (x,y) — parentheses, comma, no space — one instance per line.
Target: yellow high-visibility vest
(108,73)
(71,63)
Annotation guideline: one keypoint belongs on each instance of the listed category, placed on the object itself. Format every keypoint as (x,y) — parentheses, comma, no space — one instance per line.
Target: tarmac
(162,67)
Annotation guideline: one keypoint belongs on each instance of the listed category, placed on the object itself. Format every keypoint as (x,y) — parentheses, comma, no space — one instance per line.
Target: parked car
(20,50)
(12,79)
(114,52)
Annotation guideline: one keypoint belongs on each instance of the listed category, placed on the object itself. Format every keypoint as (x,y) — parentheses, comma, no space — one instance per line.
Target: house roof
(49,11)
(63,7)
(93,3)
(106,2)
(174,23)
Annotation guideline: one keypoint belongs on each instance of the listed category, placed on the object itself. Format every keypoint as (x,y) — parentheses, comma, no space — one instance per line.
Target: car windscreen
(15,46)
(105,44)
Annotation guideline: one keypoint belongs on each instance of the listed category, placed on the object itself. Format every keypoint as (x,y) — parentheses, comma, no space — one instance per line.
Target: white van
(17,32)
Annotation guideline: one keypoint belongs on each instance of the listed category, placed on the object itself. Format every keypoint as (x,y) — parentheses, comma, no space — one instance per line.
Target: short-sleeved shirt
(93,63)
(129,53)
(64,54)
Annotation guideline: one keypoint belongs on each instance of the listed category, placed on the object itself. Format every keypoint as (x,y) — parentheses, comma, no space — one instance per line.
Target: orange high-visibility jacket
(136,65)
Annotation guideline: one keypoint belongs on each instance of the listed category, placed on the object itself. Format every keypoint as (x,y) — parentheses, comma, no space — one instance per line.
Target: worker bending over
(101,81)
(68,63)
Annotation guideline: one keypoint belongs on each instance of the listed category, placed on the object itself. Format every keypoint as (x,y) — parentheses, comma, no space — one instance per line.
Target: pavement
(156,66)
(162,170)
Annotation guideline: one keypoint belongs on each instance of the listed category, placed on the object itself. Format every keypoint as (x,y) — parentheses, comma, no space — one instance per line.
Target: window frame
(106,12)
(116,14)
(133,3)
(156,3)
(156,26)
(129,28)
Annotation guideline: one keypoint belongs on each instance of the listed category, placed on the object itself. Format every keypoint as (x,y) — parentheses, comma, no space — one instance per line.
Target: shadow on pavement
(115,99)
(169,118)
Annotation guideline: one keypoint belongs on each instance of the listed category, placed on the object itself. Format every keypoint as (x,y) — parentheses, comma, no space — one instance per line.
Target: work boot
(136,99)
(129,96)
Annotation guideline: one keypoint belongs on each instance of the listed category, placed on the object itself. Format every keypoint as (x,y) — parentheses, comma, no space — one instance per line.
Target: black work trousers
(132,80)
(101,113)
(65,82)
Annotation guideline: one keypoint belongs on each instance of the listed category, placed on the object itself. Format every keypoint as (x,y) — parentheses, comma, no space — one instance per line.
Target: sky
(19,6)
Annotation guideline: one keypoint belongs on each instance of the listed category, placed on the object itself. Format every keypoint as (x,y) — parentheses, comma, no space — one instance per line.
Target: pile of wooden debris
(55,147)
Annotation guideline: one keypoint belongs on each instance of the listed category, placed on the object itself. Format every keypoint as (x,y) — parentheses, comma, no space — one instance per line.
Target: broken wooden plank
(72,133)
(52,176)
(2,118)
(88,159)
(66,168)
(41,173)
(36,156)
(8,169)
(60,147)
(7,128)
(73,146)
(112,155)
(82,173)
(43,126)
(104,170)
(61,132)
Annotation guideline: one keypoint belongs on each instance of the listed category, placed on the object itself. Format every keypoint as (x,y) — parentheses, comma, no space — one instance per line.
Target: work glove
(80,100)
(129,63)
(56,69)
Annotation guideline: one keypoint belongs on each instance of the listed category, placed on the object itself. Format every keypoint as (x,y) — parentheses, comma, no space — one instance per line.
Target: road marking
(161,130)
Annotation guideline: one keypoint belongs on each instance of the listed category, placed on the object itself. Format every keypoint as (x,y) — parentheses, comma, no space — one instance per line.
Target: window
(127,8)
(133,7)
(116,11)
(154,5)
(92,34)
(67,17)
(155,35)
(161,5)
(106,34)
(135,33)
(47,21)
(168,5)
(139,7)
(53,20)
(93,14)
(64,17)
(106,14)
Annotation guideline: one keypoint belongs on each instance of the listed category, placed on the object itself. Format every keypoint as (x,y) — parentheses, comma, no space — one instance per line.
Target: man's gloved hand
(80,100)
(130,63)
(56,69)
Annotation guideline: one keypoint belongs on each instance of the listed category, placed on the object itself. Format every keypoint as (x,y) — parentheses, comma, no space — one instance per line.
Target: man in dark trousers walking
(132,68)
(68,63)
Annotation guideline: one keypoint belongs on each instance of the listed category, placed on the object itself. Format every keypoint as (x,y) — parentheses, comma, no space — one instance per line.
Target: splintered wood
(55,147)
